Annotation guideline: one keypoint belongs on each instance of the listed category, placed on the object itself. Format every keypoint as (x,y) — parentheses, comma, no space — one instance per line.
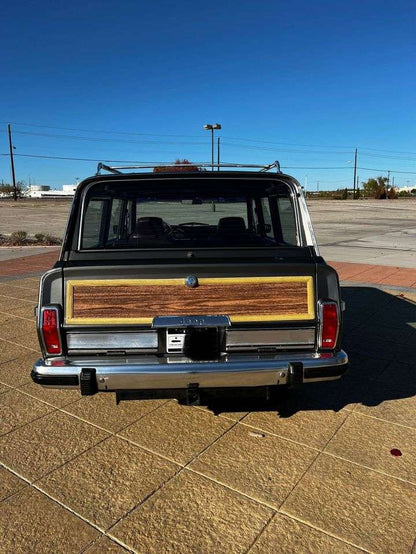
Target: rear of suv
(188,281)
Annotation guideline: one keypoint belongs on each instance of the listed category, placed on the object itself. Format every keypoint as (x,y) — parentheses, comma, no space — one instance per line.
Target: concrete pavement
(328,468)
(366,231)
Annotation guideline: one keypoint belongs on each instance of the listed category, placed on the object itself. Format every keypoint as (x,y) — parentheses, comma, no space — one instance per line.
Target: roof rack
(120,170)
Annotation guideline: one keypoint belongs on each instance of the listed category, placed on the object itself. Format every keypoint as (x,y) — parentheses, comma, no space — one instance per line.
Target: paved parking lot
(329,468)
(360,231)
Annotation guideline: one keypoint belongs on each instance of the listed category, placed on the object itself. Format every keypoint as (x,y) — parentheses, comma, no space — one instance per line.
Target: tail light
(329,325)
(50,330)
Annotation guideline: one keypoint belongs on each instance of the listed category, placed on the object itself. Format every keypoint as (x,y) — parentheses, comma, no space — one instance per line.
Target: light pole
(209,127)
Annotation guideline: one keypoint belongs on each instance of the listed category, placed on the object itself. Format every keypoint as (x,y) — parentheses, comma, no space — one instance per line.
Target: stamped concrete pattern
(311,470)
(193,514)
(108,480)
(32,522)
(361,506)
(286,536)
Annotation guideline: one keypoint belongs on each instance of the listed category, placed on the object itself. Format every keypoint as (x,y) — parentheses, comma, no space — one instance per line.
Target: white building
(45,191)
(406,189)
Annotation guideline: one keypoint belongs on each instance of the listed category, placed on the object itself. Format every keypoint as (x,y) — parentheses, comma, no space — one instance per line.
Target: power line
(288,143)
(40,156)
(384,156)
(335,182)
(250,147)
(243,139)
(385,170)
(283,149)
(83,159)
(100,139)
(98,131)
(392,151)
(97,139)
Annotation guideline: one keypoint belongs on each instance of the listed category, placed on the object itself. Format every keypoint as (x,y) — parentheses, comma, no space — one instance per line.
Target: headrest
(231,225)
(150,226)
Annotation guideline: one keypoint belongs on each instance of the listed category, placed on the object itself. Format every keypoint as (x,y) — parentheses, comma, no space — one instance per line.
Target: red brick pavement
(363,273)
(29,264)
(376,274)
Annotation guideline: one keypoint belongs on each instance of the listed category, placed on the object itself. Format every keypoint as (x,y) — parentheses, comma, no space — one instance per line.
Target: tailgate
(140,301)
(136,309)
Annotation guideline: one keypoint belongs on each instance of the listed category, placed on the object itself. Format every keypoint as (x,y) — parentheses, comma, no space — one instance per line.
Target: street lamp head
(209,127)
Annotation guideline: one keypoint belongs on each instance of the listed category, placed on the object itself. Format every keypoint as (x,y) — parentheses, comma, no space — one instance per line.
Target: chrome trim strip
(114,340)
(152,372)
(307,223)
(191,321)
(270,337)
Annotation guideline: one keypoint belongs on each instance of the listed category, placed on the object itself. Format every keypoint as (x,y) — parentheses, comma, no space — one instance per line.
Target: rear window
(183,213)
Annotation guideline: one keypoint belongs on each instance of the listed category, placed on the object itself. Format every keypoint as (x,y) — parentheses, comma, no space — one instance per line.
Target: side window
(287,220)
(94,223)
(114,227)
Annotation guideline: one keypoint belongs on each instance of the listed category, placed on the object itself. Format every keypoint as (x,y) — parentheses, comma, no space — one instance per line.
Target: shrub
(51,240)
(18,237)
(381,193)
(179,165)
(46,239)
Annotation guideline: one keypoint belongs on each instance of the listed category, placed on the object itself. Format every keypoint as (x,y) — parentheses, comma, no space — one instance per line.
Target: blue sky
(302,82)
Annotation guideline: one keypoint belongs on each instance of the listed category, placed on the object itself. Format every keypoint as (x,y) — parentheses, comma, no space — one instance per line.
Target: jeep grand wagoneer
(188,280)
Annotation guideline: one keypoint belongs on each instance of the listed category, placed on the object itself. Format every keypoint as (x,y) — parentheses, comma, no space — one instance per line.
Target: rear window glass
(188,214)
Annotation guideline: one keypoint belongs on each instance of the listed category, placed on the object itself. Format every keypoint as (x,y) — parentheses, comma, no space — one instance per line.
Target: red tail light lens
(329,325)
(50,331)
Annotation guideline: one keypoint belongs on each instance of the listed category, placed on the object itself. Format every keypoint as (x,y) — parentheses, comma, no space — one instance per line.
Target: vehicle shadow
(380,339)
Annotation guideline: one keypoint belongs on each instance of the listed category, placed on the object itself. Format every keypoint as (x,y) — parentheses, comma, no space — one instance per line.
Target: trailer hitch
(193,397)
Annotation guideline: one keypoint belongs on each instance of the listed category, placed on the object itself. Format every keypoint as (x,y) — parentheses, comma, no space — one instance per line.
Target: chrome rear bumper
(151,372)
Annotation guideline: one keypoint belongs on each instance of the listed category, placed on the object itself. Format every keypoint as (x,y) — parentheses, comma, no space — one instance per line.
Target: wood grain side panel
(249,300)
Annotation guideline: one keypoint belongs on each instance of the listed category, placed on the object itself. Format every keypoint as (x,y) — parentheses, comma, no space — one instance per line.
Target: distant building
(406,189)
(45,191)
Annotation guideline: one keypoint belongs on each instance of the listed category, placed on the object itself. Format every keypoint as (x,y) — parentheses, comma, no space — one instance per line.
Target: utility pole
(12,162)
(218,152)
(317,186)
(388,178)
(355,172)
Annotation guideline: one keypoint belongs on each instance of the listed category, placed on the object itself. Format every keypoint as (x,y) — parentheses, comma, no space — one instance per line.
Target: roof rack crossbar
(275,164)
(101,166)
(119,169)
